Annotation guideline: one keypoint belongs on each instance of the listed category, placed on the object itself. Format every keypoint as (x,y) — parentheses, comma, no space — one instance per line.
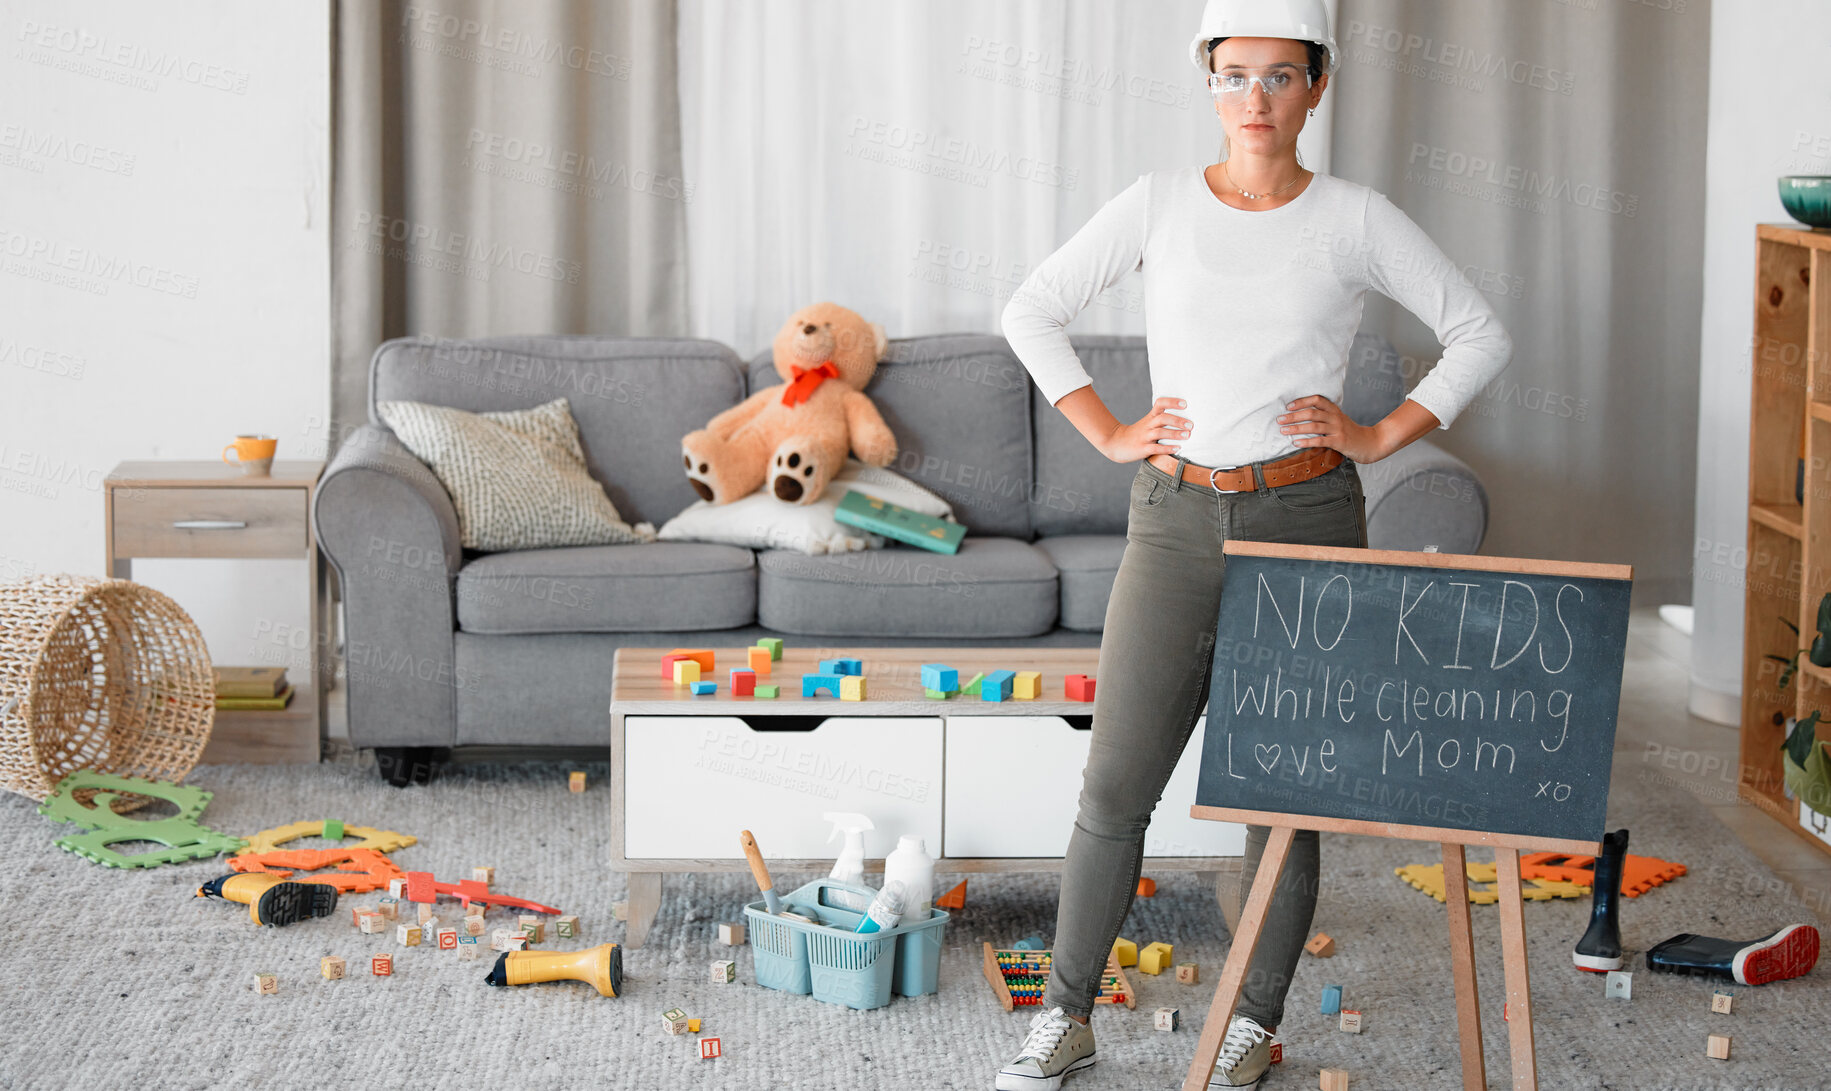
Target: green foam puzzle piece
(181,835)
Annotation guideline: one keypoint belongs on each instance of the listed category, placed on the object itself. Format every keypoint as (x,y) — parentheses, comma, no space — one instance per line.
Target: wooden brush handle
(757,867)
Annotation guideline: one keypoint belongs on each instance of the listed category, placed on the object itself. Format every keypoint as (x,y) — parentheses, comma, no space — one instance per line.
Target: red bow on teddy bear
(806,379)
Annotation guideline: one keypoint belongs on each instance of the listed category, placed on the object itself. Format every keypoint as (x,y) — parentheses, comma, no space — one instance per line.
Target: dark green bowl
(1807,198)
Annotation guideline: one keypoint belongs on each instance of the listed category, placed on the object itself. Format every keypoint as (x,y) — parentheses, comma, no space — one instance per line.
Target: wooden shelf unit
(1788,565)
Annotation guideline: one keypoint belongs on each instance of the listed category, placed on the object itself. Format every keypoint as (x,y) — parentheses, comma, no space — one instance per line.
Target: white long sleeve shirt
(1248,311)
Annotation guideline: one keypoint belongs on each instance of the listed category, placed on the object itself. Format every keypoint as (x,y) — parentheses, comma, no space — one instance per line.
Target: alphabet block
(773,643)
(1188,973)
(503,938)
(1079,687)
(703,689)
(474,909)
(484,875)
(1722,1002)
(759,660)
(1351,1021)
(710,1049)
(397,888)
(448,939)
(1620,985)
(1334,1079)
(743,682)
(1277,1053)
(267,984)
(1331,999)
(389,908)
(357,912)
(331,967)
(382,965)
(473,926)
(939,676)
(575,781)
(619,910)
(469,948)
(852,687)
(1027,684)
(1320,945)
(724,972)
(425,913)
(731,935)
(1166,1018)
(1155,958)
(372,924)
(1717,1047)
(407,935)
(686,672)
(533,927)
(674,1021)
(567,927)
(1125,951)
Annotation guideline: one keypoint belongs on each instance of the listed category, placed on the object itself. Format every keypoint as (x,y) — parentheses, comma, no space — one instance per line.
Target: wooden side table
(211,509)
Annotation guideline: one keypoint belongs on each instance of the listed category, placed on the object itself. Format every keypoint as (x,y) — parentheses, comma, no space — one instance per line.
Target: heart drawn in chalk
(1259,751)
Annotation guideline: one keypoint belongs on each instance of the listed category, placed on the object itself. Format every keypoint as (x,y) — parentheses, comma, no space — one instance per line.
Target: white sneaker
(1246,1053)
(1056,1046)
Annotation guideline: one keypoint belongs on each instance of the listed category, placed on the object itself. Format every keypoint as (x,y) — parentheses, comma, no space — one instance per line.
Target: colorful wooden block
(674,1021)
(767,691)
(373,924)
(724,972)
(407,935)
(448,939)
(1154,958)
(389,908)
(686,672)
(469,948)
(996,686)
(773,643)
(852,687)
(710,1049)
(484,875)
(703,689)
(1125,951)
(381,965)
(1331,999)
(935,694)
(971,687)
(731,935)
(1334,1079)
(358,912)
(575,780)
(1166,1018)
(1147,887)
(693,1025)
(1277,1053)
(703,656)
(940,676)
(1079,687)
(1188,973)
(567,927)
(667,665)
(267,984)
(1722,1002)
(759,660)
(474,909)
(1717,1047)
(473,926)
(743,682)
(1320,945)
(953,899)
(812,684)
(332,967)
(1026,685)
(842,666)
(533,927)
(1351,1020)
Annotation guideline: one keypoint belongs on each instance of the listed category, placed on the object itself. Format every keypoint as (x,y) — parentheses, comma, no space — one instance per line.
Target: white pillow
(517,478)
(760,521)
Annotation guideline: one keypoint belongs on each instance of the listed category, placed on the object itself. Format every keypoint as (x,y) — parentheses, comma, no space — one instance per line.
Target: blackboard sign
(1437,691)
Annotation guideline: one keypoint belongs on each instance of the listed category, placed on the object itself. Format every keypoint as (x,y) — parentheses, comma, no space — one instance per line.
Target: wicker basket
(98,674)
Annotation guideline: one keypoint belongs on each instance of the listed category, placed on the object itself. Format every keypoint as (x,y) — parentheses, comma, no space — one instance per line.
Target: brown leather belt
(1305,464)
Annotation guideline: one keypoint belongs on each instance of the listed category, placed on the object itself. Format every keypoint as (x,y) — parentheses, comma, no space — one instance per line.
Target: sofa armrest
(1422,495)
(386,524)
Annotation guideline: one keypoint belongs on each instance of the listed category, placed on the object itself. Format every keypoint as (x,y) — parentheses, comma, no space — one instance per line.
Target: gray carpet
(120,979)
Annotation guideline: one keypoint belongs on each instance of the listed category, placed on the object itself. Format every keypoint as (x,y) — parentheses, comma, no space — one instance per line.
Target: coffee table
(990,786)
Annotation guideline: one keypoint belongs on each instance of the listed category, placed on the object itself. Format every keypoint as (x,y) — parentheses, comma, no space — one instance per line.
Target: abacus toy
(1017,978)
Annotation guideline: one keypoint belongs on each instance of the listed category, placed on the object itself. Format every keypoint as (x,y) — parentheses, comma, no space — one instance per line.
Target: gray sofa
(446,648)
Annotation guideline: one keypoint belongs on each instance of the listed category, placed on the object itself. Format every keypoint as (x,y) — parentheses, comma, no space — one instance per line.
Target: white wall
(164,271)
(1760,127)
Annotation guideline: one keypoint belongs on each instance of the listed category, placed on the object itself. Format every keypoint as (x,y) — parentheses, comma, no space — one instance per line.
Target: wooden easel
(1462,944)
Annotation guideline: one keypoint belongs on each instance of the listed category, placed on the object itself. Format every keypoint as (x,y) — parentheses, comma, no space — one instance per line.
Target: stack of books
(252,688)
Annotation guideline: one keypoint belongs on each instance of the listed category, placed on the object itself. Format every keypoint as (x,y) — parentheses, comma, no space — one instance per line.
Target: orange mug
(254,452)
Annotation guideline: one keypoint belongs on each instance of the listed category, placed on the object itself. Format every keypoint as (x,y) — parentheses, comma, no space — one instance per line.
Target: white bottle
(886,910)
(850,867)
(911,865)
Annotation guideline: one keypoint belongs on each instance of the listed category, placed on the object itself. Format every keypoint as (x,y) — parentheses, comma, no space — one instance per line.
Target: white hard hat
(1304,20)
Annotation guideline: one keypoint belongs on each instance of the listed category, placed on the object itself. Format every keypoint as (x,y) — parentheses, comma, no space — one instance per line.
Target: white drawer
(1014,786)
(692,782)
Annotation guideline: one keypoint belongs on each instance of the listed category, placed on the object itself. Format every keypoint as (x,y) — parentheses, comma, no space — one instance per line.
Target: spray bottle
(850,867)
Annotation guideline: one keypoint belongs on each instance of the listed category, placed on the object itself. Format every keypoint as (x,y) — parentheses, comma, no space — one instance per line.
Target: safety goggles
(1278,82)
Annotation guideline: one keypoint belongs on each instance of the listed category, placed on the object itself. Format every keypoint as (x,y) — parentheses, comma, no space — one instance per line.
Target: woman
(1254,275)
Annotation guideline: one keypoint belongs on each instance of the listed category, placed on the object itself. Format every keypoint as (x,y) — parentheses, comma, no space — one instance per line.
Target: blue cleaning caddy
(831,961)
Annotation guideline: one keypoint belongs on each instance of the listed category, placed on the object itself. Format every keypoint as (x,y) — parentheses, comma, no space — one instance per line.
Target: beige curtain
(502,168)
(1556,151)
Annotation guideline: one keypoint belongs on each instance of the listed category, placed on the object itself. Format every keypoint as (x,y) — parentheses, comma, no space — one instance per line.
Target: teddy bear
(795,437)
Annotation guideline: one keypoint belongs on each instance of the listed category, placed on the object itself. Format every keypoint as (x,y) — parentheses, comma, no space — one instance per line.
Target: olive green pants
(1155,655)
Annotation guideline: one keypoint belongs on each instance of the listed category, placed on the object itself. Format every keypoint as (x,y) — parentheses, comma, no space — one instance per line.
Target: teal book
(868,513)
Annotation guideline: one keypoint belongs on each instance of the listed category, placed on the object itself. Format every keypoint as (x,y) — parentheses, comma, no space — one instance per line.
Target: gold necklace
(1260,196)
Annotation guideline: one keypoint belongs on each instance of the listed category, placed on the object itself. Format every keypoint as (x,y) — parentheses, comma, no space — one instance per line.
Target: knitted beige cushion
(518,479)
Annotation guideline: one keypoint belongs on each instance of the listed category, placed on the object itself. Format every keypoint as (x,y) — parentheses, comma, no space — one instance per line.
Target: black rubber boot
(1790,952)
(1599,951)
